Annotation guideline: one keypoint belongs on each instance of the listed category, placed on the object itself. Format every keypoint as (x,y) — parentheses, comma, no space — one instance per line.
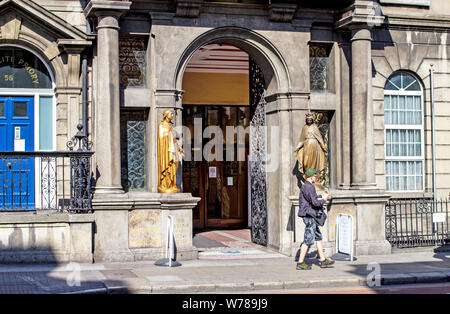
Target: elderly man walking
(309,204)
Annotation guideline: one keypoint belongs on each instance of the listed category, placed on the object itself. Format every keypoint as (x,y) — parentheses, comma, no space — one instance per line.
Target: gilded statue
(311,151)
(169,154)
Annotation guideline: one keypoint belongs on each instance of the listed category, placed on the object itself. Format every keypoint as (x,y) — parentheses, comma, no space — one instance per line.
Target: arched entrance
(27,123)
(233,190)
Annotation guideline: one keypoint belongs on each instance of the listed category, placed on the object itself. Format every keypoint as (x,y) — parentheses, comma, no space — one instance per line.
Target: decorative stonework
(132,61)
(188,8)
(282,12)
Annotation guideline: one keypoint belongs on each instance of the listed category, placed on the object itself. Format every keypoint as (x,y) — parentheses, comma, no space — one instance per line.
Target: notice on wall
(145,229)
(344,234)
(230,181)
(19,145)
(213,172)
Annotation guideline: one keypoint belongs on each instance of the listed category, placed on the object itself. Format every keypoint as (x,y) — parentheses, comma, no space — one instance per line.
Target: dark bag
(321,216)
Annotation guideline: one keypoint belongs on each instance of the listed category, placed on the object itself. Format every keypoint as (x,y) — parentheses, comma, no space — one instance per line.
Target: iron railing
(412,222)
(59,181)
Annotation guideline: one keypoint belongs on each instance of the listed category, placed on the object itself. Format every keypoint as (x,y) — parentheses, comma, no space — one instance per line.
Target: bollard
(170,259)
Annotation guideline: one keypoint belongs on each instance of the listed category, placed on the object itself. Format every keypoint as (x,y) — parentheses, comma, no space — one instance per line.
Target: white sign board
(344,235)
(439,217)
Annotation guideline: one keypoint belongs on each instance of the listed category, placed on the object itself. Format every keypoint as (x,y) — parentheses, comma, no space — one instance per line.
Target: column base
(139,223)
(102,192)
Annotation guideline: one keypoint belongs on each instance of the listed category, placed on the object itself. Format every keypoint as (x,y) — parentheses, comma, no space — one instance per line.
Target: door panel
(17,134)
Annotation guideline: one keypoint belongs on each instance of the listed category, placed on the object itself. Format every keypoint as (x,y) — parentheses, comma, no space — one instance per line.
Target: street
(429,288)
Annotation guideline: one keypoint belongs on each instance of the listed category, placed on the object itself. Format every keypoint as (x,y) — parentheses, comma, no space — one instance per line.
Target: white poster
(212,172)
(19,145)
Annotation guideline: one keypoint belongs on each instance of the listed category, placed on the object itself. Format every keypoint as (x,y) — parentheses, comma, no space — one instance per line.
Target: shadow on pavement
(37,271)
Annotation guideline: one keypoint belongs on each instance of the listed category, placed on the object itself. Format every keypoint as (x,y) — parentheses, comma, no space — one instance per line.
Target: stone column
(107,135)
(362,148)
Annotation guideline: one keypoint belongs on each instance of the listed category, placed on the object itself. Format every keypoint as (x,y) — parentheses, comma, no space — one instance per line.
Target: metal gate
(417,222)
(257,160)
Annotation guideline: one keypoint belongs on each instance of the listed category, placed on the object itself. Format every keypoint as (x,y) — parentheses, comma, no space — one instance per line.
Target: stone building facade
(361,66)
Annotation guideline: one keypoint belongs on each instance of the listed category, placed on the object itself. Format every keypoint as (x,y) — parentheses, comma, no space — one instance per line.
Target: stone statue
(169,154)
(311,151)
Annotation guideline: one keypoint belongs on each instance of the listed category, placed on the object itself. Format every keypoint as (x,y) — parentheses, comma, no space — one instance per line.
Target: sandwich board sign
(344,235)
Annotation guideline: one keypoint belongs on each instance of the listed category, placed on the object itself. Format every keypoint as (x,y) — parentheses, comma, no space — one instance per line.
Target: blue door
(17,134)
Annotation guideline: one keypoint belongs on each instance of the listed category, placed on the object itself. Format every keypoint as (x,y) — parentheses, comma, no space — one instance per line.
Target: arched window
(403,119)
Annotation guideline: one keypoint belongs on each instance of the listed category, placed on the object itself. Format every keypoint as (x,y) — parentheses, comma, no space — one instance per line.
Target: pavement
(236,265)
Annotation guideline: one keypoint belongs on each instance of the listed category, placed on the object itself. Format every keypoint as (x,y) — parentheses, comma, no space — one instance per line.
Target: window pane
(319,67)
(45,123)
(407,80)
(404,175)
(396,81)
(394,110)
(20,109)
(390,86)
(387,109)
(2,109)
(414,87)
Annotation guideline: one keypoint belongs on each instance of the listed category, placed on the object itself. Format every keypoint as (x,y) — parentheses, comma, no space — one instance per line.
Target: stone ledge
(24,218)
(145,200)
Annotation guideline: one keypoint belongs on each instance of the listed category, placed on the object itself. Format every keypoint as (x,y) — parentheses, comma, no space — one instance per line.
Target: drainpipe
(84,96)
(433,148)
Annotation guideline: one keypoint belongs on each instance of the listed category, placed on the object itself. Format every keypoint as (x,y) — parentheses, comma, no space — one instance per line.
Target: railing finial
(81,140)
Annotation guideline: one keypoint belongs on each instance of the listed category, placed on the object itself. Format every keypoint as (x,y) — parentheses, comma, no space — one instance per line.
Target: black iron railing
(46,180)
(417,222)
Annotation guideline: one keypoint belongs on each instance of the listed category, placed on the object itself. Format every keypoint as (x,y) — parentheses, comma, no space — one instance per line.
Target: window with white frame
(404,145)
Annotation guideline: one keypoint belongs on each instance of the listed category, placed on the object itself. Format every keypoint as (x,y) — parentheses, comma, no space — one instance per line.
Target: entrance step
(238,253)
(230,244)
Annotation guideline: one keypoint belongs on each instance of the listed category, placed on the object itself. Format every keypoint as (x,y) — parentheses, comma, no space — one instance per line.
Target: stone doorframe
(279,103)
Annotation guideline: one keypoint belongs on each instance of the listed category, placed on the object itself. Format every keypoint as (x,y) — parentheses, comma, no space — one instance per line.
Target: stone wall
(46,238)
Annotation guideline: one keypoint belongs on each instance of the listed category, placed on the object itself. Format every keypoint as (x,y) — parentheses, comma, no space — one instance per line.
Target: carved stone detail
(188,8)
(282,12)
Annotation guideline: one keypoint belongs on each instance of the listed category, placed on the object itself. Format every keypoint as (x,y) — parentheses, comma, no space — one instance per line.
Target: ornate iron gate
(257,160)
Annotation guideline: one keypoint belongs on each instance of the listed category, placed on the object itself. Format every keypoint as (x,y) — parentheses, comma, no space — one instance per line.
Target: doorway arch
(264,53)
(276,82)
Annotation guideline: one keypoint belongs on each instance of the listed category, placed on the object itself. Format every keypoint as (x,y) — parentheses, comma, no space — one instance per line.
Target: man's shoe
(303,266)
(326,263)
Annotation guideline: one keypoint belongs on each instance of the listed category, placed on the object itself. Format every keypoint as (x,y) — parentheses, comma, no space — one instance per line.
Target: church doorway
(219,108)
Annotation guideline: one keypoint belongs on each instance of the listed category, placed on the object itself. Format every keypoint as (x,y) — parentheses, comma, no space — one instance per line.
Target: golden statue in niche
(311,150)
(169,154)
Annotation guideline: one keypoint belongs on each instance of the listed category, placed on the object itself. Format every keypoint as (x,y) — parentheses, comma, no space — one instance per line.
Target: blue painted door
(17,134)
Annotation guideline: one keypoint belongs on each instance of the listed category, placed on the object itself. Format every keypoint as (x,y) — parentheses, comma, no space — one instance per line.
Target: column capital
(72,46)
(361,14)
(105,7)
(360,32)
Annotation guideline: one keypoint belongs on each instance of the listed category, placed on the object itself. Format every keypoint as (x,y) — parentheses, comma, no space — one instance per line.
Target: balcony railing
(59,181)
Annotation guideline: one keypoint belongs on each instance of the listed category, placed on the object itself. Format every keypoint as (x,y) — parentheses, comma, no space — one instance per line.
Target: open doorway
(216,108)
